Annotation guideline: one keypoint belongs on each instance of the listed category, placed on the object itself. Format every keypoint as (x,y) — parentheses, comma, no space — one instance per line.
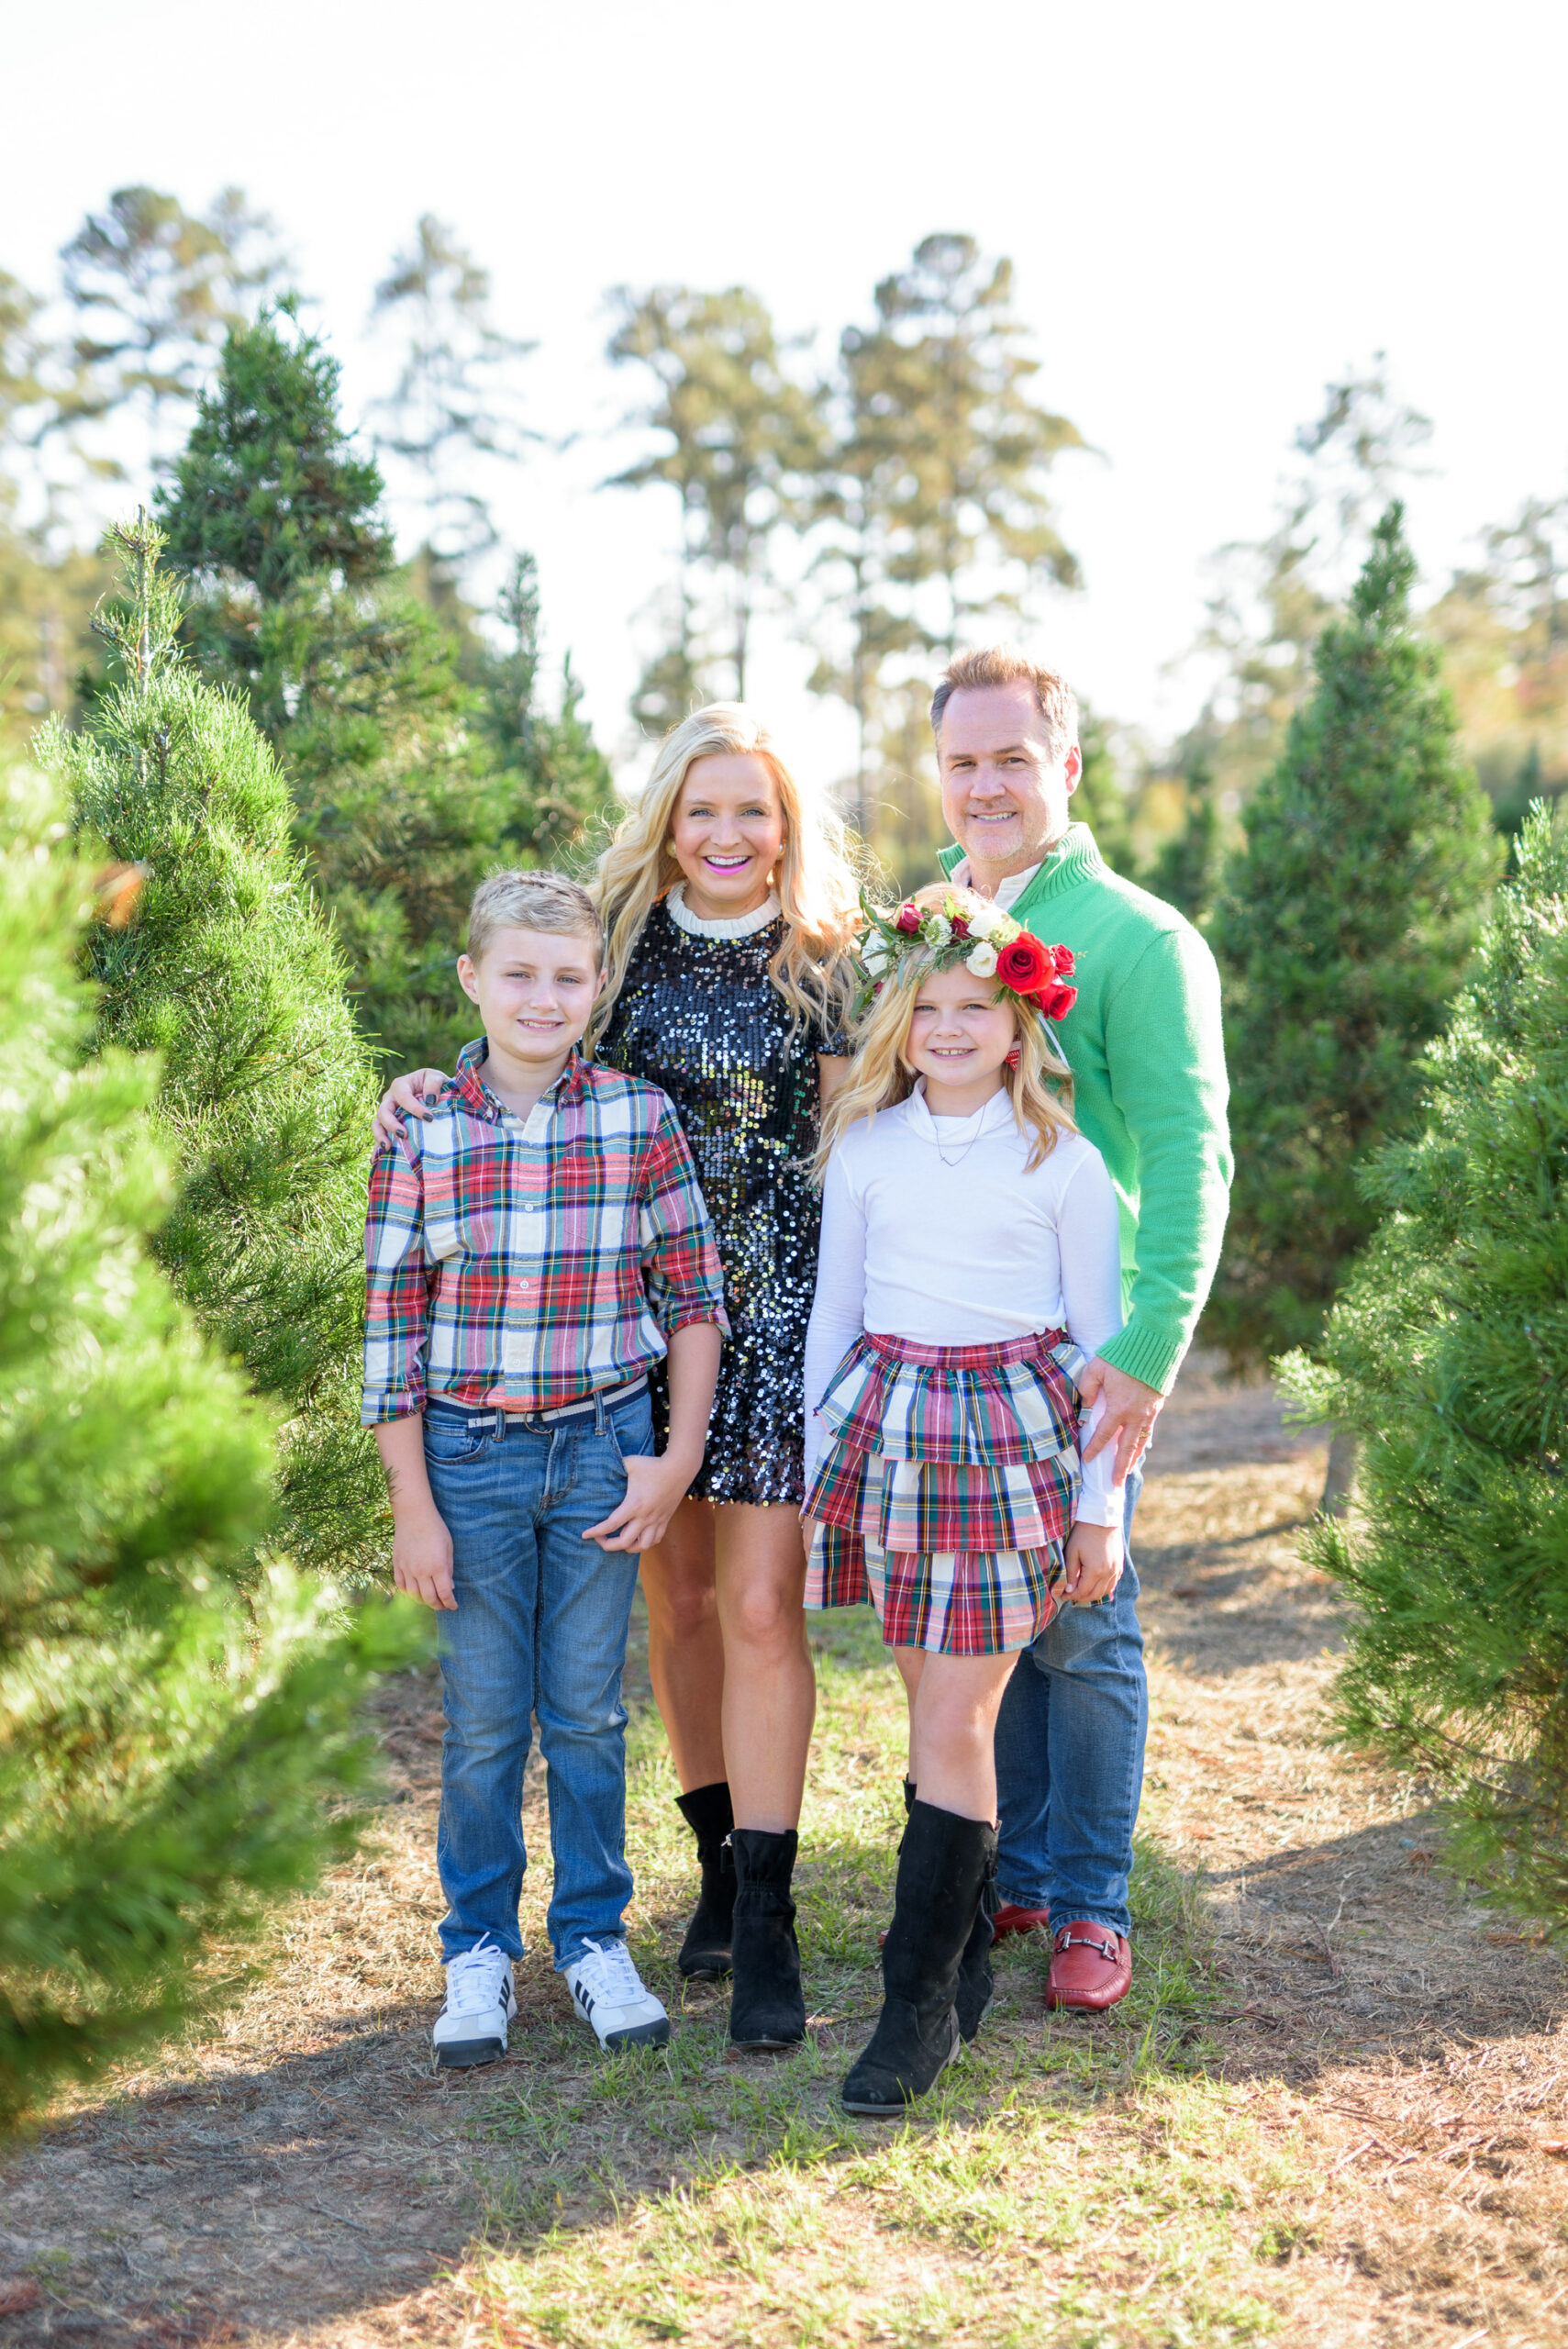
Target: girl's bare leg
(955,1701)
(770,1686)
(685,1645)
(910,1662)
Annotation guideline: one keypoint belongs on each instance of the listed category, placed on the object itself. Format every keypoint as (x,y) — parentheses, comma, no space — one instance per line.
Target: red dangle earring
(1015,1056)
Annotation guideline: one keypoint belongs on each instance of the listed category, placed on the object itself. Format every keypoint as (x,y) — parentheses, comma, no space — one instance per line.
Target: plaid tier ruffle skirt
(947,1489)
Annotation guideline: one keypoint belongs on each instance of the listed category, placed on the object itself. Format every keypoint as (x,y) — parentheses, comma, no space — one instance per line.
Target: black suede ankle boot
(767,2005)
(910,1791)
(705,1952)
(942,1867)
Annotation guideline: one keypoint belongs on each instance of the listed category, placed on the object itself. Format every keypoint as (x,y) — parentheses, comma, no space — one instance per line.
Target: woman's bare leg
(770,1686)
(956,1699)
(685,1645)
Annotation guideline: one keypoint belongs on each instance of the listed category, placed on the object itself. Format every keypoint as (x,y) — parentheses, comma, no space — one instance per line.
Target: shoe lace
(474,1978)
(615,1978)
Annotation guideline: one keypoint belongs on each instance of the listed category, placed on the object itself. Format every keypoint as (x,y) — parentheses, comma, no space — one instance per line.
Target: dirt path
(1327,2114)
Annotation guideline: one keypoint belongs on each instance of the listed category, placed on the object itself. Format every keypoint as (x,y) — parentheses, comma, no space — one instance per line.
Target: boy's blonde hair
(544,901)
(1039,1088)
(817,892)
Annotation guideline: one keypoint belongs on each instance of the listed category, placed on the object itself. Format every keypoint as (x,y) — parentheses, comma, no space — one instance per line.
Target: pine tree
(1448,1353)
(165,1742)
(376,699)
(1186,871)
(230,973)
(1345,925)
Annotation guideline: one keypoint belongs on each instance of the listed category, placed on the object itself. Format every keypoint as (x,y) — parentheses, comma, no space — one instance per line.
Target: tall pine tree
(1448,1353)
(1344,928)
(378,701)
(165,1742)
(230,973)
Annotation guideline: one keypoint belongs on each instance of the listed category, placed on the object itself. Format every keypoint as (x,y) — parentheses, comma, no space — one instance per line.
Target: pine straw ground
(1334,2111)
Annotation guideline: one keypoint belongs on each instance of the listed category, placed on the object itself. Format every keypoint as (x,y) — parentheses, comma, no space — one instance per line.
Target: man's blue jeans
(540,1627)
(1070,1741)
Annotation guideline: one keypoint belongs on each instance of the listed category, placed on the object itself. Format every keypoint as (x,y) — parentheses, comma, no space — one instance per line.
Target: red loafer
(1012,1919)
(1089,1967)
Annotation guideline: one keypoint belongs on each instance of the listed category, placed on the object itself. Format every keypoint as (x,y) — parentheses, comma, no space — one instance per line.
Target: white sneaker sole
(463,2055)
(635,2034)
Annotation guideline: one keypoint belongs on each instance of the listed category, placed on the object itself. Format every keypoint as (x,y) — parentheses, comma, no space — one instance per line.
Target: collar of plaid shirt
(470,1089)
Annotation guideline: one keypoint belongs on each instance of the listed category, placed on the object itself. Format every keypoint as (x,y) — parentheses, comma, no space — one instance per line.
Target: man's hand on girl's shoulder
(415,1094)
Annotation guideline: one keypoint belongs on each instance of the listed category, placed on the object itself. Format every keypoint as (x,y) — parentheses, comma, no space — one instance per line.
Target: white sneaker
(471,2025)
(608,1992)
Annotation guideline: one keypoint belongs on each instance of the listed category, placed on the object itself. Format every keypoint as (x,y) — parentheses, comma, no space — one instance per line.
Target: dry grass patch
(1325,2116)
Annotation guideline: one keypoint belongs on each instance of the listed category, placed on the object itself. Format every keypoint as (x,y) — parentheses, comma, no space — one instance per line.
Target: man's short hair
(546,901)
(1000,665)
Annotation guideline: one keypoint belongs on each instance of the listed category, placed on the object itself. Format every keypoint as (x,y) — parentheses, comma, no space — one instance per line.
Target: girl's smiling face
(728,834)
(959,1036)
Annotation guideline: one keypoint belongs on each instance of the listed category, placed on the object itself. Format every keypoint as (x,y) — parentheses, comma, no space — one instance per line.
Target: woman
(728,905)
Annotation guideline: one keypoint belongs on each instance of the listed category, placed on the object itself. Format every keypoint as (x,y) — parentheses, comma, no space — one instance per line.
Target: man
(1145,1047)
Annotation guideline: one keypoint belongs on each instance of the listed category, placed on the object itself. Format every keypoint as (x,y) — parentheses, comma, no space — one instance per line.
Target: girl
(969,1263)
(728,905)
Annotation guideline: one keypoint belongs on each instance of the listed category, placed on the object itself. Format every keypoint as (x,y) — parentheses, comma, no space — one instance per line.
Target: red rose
(1024,964)
(1063,958)
(1056,1002)
(960,927)
(907,919)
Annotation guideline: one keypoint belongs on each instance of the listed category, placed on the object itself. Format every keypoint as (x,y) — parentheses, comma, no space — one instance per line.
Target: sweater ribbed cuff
(1146,1353)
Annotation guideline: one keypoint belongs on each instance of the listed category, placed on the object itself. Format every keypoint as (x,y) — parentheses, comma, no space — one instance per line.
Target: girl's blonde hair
(1039,1088)
(816,890)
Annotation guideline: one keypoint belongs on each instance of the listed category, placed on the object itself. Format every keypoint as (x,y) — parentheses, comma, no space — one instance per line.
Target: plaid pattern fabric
(917,1505)
(983,1407)
(958,1553)
(526,1263)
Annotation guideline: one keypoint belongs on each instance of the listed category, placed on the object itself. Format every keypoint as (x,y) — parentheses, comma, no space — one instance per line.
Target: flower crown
(971,930)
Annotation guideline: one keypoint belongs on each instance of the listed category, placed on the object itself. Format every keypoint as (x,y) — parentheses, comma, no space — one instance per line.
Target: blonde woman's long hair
(1039,1088)
(817,891)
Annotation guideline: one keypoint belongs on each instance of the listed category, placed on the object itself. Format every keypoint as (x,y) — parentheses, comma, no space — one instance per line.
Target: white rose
(981,960)
(936,929)
(876,952)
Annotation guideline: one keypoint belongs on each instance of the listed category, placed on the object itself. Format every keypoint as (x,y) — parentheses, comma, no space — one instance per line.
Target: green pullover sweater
(1145,1047)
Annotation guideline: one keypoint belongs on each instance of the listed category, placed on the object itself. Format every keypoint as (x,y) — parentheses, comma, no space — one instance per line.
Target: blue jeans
(1070,1741)
(540,1627)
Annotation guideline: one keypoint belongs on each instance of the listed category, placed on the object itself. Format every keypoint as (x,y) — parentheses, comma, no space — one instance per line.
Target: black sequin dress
(700,1016)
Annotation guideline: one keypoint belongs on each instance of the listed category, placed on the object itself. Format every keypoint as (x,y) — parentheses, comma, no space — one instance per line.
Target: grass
(1076,2180)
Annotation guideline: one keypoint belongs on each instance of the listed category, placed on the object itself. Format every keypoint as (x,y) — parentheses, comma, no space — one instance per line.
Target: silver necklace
(968,1146)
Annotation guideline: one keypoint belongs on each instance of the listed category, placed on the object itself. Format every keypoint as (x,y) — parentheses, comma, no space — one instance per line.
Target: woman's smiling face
(728,834)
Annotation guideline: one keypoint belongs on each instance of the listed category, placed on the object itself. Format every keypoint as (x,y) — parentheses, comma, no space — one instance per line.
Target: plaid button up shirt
(526,1262)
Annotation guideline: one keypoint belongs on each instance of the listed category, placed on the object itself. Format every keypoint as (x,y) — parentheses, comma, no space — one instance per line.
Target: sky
(1212,209)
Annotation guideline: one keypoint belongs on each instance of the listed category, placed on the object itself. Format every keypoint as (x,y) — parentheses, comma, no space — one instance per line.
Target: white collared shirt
(937,1229)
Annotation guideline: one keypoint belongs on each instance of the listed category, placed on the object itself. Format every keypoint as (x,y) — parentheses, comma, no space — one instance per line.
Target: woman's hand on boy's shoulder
(415,1094)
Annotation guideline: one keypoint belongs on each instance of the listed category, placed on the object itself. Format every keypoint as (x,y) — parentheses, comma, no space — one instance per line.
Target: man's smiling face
(1004,796)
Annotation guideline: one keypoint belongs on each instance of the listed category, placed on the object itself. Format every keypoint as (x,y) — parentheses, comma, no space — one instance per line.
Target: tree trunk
(1345,1449)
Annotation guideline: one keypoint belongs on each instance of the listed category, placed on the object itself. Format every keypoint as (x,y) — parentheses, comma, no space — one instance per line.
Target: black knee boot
(976,1985)
(767,2006)
(942,1865)
(705,1952)
(976,1988)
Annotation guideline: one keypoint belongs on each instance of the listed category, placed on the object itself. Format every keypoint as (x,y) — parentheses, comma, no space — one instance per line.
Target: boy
(531,1249)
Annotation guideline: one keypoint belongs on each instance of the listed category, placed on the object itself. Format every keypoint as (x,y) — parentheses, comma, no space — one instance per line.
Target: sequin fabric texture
(701,1017)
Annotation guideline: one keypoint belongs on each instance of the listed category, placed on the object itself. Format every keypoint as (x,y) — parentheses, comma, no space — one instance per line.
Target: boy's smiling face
(536,990)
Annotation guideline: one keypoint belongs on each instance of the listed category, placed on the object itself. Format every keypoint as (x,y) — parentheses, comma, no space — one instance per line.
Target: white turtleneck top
(936,1230)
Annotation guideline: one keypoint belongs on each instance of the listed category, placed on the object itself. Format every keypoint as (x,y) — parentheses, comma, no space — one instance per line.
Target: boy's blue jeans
(1070,1740)
(540,1627)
